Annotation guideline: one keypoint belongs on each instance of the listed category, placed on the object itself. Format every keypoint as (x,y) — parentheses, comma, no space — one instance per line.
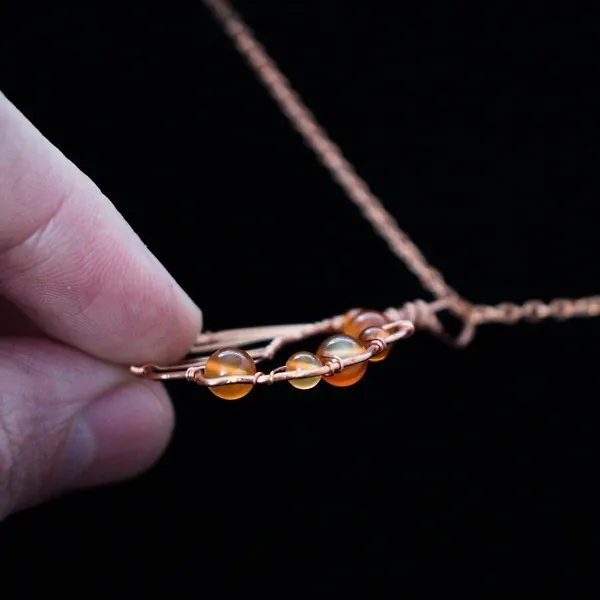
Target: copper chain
(371,207)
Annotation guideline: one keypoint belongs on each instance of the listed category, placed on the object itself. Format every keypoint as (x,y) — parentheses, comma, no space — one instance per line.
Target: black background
(448,469)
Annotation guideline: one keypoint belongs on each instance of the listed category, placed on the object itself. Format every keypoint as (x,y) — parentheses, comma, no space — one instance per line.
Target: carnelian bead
(372,333)
(363,319)
(349,316)
(304,361)
(229,362)
(343,346)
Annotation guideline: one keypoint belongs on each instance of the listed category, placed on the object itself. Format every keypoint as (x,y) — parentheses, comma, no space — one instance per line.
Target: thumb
(69,421)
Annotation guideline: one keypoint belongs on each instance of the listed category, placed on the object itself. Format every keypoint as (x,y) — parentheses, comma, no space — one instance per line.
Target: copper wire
(371,207)
(400,329)
(419,314)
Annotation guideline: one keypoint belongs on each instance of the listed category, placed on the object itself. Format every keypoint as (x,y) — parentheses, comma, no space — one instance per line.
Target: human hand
(81,298)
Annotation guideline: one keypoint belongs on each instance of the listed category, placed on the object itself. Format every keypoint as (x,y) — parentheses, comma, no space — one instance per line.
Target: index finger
(73,265)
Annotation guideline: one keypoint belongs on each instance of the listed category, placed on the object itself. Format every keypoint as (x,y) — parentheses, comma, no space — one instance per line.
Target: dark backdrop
(443,468)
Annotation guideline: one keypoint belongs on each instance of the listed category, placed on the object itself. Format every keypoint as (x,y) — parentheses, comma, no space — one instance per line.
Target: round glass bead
(349,316)
(342,346)
(372,333)
(304,361)
(230,362)
(363,319)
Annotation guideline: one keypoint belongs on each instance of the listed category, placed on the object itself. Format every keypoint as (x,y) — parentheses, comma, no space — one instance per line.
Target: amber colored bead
(372,333)
(349,316)
(365,318)
(343,346)
(229,362)
(304,361)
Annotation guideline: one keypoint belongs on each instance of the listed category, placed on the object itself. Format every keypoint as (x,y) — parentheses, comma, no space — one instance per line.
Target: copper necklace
(359,336)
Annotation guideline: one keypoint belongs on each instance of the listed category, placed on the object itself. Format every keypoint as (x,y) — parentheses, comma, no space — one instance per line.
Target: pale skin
(81,298)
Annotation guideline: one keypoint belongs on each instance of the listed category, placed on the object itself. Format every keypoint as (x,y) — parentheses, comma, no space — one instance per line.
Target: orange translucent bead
(372,333)
(363,319)
(343,346)
(229,362)
(349,316)
(304,361)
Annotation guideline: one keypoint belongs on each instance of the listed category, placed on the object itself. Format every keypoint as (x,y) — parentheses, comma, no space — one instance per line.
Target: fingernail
(116,436)
(78,454)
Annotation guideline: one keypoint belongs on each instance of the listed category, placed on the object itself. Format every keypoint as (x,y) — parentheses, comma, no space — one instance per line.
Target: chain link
(371,207)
